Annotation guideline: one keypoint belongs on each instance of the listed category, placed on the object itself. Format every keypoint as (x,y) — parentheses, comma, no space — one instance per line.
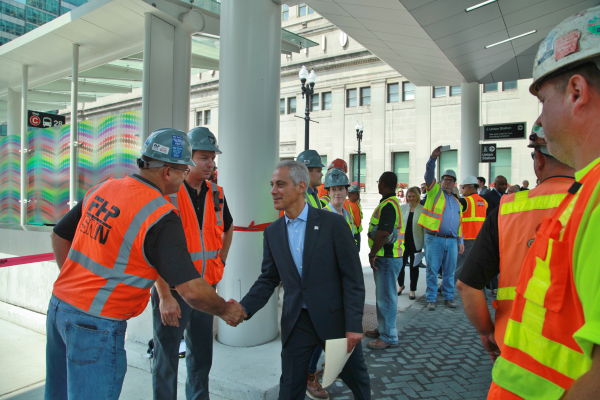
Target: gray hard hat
(353,189)
(202,138)
(169,145)
(336,177)
(450,173)
(310,158)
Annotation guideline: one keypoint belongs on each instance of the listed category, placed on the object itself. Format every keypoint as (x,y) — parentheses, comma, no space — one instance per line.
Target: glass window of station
(502,166)
(363,168)
(401,167)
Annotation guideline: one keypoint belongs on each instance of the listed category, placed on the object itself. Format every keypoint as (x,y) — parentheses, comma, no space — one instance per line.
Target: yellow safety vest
(347,216)
(431,216)
(398,227)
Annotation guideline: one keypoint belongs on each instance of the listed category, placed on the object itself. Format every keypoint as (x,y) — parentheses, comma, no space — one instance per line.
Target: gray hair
(298,171)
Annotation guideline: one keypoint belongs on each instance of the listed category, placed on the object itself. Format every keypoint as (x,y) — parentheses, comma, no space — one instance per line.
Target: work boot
(450,303)
(431,306)
(372,334)
(314,390)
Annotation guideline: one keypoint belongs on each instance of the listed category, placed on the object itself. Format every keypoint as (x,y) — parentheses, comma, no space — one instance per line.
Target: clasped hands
(235,314)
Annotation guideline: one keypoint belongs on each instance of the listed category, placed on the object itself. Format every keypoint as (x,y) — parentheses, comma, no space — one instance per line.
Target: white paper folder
(336,355)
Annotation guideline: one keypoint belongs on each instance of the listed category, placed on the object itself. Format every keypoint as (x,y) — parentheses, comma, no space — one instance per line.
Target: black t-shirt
(198,201)
(165,245)
(483,261)
(387,222)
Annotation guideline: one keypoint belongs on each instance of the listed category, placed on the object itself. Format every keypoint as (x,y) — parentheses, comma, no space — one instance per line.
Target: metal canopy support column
(182,65)
(74,138)
(13,116)
(469,129)
(24,84)
(249,137)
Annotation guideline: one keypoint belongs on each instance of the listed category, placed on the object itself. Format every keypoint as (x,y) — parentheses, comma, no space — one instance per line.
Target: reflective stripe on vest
(310,199)
(540,348)
(94,273)
(506,293)
(431,215)
(398,249)
(475,217)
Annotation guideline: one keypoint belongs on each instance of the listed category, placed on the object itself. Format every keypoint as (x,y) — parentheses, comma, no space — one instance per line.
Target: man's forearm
(476,308)
(162,287)
(201,296)
(60,248)
(227,238)
(379,241)
(430,171)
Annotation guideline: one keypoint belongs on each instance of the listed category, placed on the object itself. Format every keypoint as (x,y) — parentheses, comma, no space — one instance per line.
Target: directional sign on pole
(488,152)
(38,119)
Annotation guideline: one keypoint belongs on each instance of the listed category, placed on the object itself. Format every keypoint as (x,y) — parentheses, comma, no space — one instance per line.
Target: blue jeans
(314,360)
(440,252)
(85,355)
(386,276)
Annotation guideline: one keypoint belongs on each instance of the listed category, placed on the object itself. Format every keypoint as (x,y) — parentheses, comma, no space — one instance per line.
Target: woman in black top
(413,239)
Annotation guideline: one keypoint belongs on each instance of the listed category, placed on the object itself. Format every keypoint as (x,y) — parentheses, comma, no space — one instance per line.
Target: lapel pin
(316,228)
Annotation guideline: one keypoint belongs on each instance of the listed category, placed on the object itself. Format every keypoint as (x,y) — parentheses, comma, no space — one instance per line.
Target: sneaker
(380,345)
(431,306)
(314,390)
(450,303)
(372,334)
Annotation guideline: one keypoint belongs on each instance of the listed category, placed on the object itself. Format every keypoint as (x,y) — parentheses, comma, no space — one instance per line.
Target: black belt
(438,235)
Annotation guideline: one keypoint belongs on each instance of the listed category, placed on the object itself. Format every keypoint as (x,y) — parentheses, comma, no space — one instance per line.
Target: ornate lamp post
(359,136)
(308,90)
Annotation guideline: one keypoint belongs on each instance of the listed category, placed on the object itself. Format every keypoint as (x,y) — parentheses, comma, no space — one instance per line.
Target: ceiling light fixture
(476,6)
(512,38)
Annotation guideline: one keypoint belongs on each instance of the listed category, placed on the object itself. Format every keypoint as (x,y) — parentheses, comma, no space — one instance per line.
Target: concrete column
(338,123)
(377,155)
(74,136)
(469,129)
(24,88)
(13,116)
(249,138)
(423,130)
(182,64)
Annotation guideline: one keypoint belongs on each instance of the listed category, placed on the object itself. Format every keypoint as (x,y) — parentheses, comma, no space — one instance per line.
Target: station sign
(516,130)
(488,152)
(36,119)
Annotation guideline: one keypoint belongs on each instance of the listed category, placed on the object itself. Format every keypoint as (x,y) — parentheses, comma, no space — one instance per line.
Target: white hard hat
(469,180)
(450,173)
(574,41)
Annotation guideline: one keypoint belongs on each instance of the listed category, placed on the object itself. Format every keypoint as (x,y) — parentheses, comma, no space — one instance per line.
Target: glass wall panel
(363,168)
(502,166)
(10,178)
(401,167)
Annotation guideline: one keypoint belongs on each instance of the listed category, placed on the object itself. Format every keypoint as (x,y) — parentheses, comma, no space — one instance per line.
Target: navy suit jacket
(332,284)
(493,199)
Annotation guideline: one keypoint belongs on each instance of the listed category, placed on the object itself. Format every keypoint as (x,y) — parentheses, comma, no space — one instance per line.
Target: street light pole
(359,136)
(308,90)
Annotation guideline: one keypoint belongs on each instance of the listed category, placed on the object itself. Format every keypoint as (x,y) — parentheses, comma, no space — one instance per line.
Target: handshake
(234,313)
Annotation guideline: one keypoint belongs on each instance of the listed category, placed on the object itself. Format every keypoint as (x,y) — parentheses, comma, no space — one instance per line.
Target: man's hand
(235,314)
(353,339)
(169,310)
(461,248)
(489,344)
(372,260)
(436,152)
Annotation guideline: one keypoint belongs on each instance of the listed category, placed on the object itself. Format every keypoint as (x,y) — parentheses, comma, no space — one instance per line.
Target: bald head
(513,189)
(500,183)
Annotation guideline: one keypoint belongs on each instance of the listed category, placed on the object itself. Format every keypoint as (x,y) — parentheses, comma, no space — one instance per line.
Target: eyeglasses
(185,171)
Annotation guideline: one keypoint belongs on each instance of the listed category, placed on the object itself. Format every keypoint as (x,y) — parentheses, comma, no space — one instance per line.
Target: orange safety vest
(321,191)
(106,272)
(474,216)
(519,218)
(541,359)
(203,243)
(356,212)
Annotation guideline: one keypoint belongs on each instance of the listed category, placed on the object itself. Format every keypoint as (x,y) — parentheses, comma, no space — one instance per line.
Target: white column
(376,137)
(182,65)
(24,84)
(249,138)
(469,129)
(13,116)
(74,138)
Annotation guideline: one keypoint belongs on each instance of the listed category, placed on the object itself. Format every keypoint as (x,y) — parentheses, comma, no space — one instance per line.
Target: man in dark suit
(494,195)
(313,253)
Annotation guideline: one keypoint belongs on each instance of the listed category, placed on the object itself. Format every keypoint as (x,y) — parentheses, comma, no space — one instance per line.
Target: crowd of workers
(164,234)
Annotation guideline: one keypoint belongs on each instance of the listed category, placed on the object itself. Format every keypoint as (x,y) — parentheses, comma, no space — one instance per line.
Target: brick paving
(439,357)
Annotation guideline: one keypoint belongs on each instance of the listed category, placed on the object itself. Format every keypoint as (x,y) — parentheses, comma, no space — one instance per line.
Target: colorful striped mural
(107,147)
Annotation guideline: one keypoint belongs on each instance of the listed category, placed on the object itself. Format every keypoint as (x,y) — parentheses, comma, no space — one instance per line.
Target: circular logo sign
(34,120)
(492,148)
(520,127)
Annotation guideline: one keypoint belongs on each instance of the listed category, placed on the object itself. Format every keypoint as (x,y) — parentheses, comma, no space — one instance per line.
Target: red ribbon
(7,262)
(252,227)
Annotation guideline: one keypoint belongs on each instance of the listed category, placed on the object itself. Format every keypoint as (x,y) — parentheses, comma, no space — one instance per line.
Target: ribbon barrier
(7,262)
(252,227)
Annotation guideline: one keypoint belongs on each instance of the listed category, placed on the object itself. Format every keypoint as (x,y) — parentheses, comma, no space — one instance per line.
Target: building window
(327,101)
(37,17)
(509,85)
(51,6)
(291,105)
(401,167)
(448,160)
(9,27)
(207,117)
(365,96)
(12,10)
(324,162)
(392,93)
(314,102)
(408,91)
(285,12)
(455,90)
(351,98)
(198,118)
(363,168)
(303,10)
(439,91)
(502,166)
(490,87)
(281,106)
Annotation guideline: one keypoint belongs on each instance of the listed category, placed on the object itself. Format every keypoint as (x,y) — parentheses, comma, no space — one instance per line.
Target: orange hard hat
(338,163)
